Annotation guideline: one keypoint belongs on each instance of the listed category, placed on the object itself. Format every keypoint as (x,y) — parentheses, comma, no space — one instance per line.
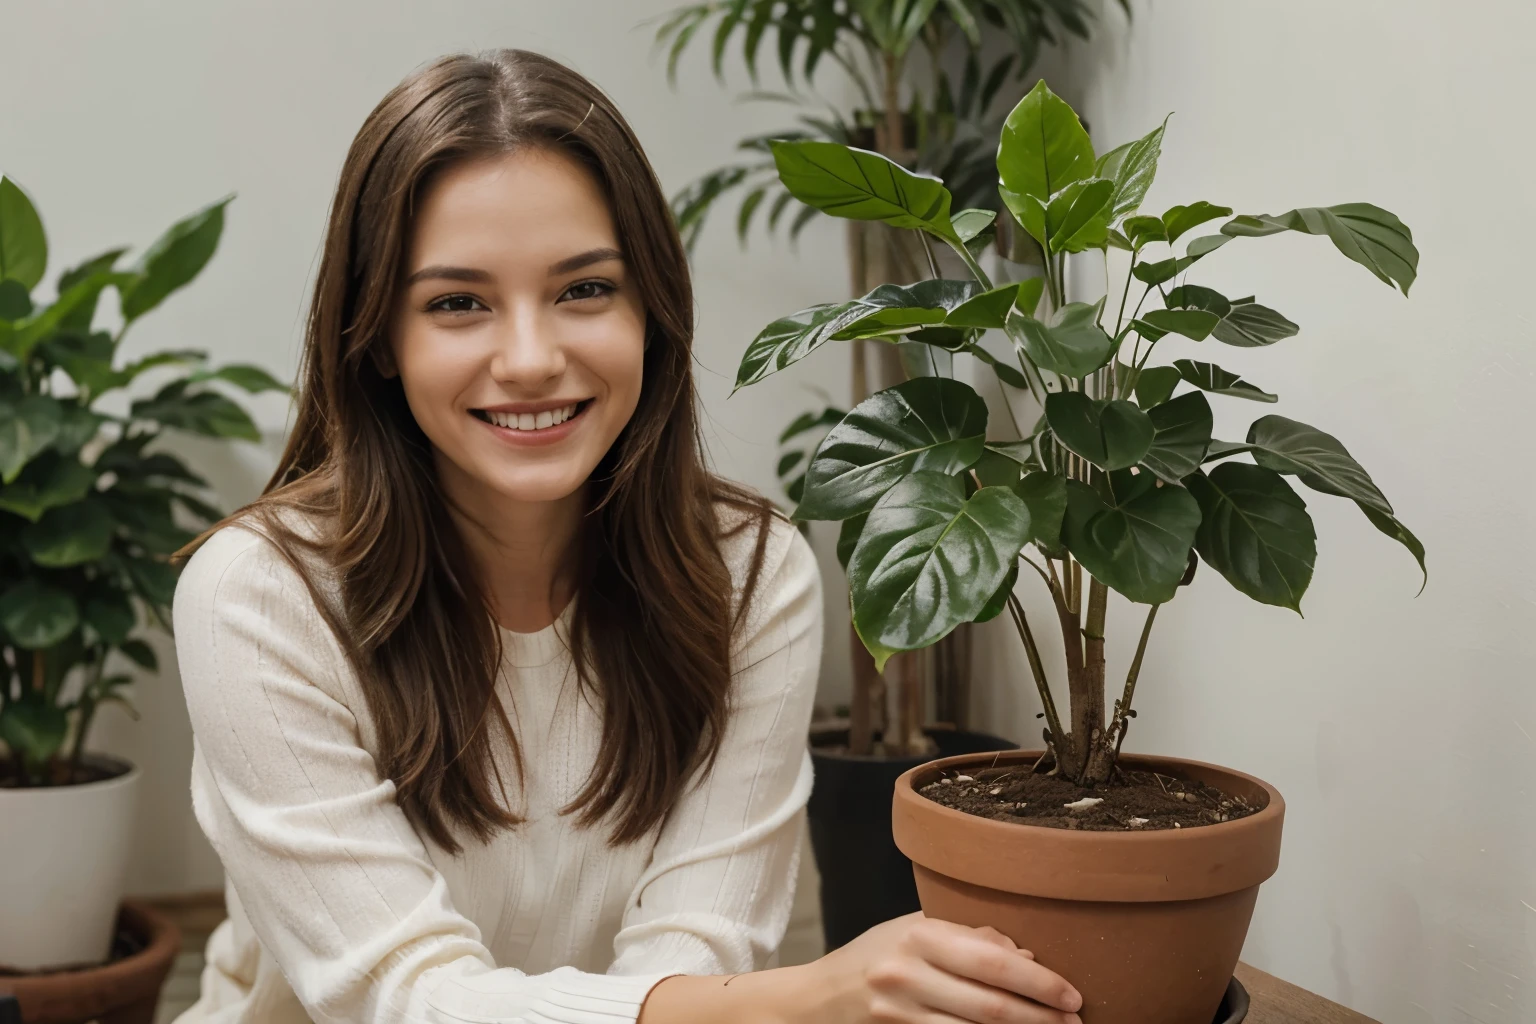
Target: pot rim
(1154,866)
(135,975)
(127,773)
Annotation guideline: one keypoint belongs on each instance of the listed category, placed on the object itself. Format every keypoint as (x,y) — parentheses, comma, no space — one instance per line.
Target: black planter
(864,879)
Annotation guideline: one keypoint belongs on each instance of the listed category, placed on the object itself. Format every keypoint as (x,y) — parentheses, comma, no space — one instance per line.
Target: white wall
(121,117)
(1402,731)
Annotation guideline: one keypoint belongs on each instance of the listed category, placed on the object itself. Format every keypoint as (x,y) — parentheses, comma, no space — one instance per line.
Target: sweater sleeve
(337,885)
(716,898)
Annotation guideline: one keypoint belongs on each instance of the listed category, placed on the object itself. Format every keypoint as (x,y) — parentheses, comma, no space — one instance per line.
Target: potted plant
(1134,877)
(91,507)
(947,124)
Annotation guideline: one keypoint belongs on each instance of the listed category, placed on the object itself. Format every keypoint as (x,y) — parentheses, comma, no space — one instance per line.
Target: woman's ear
(383,356)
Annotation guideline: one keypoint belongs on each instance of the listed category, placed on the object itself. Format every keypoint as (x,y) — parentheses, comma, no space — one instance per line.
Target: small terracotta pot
(1147,925)
(122,991)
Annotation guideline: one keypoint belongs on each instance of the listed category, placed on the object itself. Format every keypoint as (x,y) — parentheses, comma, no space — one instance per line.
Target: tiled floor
(802,943)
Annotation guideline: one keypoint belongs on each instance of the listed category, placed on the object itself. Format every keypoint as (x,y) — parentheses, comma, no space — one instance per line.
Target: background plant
(1120,485)
(91,504)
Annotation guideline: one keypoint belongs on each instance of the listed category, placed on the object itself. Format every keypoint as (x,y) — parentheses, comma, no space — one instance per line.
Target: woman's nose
(528,352)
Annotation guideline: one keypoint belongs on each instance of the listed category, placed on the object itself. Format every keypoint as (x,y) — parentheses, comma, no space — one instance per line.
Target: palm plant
(1120,485)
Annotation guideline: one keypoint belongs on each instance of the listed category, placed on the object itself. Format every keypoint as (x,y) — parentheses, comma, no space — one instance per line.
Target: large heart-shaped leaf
(1316,458)
(1212,378)
(1132,166)
(1135,538)
(861,185)
(1154,384)
(23,245)
(932,423)
(1367,234)
(1044,147)
(1111,435)
(1183,432)
(1256,532)
(1250,325)
(929,559)
(1071,343)
(174,259)
(1045,495)
(790,339)
(36,615)
(69,535)
(1179,219)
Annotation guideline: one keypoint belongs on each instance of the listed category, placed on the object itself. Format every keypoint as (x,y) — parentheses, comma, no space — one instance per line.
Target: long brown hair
(403,597)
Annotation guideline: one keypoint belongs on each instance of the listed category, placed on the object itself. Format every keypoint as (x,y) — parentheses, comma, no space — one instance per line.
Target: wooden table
(1280,1002)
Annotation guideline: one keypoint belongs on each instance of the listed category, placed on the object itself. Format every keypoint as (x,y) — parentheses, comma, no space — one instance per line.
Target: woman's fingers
(964,952)
(951,999)
(997,938)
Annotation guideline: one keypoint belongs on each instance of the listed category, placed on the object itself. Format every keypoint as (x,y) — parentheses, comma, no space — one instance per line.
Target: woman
(500,697)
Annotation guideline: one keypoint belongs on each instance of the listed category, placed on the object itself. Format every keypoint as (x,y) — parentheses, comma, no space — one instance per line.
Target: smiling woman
(493,508)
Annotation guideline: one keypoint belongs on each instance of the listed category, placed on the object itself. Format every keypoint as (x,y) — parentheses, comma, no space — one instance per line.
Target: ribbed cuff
(572,997)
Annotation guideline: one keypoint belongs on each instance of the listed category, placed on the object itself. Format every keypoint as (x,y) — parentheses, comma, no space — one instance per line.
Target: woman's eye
(455,304)
(586,290)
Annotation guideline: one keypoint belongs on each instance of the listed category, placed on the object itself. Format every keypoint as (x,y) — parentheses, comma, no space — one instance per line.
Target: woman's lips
(545,427)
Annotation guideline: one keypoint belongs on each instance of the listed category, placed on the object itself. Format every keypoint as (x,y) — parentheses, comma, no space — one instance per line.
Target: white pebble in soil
(1087,803)
(994,791)
(1137,822)
(964,778)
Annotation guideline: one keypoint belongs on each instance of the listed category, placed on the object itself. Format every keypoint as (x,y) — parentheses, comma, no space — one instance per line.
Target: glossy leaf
(932,423)
(1179,219)
(1155,385)
(1045,495)
(1256,532)
(1135,538)
(898,309)
(1133,171)
(175,258)
(848,537)
(36,615)
(1078,216)
(969,224)
(1314,457)
(69,535)
(1071,344)
(1182,434)
(1390,526)
(23,245)
(999,601)
(1250,325)
(1195,324)
(1044,146)
(1111,435)
(990,309)
(1194,296)
(789,339)
(860,185)
(929,559)
(1367,234)
(1212,378)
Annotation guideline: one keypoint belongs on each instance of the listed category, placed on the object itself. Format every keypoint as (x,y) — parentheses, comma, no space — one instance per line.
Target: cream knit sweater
(341,912)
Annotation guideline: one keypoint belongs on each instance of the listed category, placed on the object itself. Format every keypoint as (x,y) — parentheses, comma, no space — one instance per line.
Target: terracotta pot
(122,991)
(1147,925)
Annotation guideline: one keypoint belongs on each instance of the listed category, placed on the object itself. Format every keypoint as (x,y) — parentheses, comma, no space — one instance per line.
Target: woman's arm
(336,884)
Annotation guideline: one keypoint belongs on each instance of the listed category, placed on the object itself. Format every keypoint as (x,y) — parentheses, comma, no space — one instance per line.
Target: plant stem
(933,264)
(1123,710)
(1037,669)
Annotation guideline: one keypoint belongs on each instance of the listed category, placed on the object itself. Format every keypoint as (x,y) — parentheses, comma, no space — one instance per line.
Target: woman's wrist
(785,995)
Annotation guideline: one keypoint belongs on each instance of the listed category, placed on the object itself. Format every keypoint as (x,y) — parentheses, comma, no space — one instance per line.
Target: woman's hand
(917,970)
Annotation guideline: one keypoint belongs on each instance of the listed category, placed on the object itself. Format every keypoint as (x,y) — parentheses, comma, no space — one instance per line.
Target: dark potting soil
(1137,801)
(58,774)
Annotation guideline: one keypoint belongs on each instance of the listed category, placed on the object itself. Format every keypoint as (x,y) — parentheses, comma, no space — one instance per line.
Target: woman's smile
(534,423)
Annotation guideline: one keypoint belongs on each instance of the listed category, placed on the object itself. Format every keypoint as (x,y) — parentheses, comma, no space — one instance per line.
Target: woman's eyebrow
(445,273)
(602,254)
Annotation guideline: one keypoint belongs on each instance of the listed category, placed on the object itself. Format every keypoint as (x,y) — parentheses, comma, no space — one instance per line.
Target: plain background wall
(1401,731)
(122,117)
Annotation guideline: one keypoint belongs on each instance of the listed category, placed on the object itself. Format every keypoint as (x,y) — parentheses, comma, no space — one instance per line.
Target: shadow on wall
(170,854)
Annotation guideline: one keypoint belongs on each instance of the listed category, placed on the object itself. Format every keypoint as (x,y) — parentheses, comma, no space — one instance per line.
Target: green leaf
(1194,296)
(34,728)
(994,469)
(36,615)
(1194,324)
(848,538)
(860,185)
(69,535)
(1179,219)
(790,339)
(1111,435)
(900,309)
(27,427)
(1045,495)
(109,612)
(23,245)
(1183,432)
(1142,231)
(1250,325)
(1071,344)
(1155,385)
(252,379)
(809,421)
(174,259)
(1390,526)
(48,482)
(932,423)
(15,301)
(1005,373)
(1315,458)
(1162,270)
(1028,211)
(152,580)
(930,559)
(1205,245)
(1133,171)
(1078,216)
(202,412)
(80,317)
(1212,378)
(1367,234)
(969,224)
(1044,147)
(990,309)
(140,653)
(1256,532)
(50,319)
(1136,539)
(999,601)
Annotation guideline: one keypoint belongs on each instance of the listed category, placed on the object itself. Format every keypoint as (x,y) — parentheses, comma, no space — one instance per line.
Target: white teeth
(532,421)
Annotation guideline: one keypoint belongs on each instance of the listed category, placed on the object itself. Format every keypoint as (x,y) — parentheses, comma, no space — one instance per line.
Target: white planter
(65,855)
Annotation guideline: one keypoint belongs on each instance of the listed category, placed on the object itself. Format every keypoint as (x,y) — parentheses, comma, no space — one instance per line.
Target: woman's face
(520,334)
